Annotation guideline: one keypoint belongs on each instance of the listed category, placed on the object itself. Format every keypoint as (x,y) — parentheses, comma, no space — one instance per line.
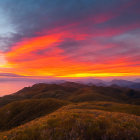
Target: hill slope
(78,111)
(108,106)
(74,92)
(70,123)
(20,112)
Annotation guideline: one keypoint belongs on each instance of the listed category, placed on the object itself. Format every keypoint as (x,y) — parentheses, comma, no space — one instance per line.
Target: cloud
(59,38)
(32,17)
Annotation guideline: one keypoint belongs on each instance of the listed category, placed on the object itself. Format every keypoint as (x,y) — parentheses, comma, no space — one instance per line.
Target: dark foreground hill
(20,112)
(72,123)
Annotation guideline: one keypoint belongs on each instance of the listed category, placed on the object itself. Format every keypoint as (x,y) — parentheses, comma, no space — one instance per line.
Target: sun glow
(99,75)
(3,62)
(41,56)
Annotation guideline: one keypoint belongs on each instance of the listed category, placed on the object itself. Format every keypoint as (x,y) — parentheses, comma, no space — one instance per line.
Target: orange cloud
(40,56)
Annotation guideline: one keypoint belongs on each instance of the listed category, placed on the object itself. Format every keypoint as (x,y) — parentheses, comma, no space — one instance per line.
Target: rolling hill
(74,92)
(20,112)
(70,123)
(70,111)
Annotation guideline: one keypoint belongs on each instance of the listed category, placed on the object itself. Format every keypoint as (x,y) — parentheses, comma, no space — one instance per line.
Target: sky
(69,38)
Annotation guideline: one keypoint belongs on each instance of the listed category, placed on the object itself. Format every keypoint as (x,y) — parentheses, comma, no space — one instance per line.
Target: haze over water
(12,87)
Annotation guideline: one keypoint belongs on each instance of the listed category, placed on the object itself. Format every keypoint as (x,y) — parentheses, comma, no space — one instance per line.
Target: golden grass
(21,112)
(71,123)
(108,106)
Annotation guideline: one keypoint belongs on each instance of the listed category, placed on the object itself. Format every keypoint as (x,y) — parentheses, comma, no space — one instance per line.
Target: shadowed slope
(20,112)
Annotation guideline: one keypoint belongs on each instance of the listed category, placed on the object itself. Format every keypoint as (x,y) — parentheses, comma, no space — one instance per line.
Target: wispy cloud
(67,38)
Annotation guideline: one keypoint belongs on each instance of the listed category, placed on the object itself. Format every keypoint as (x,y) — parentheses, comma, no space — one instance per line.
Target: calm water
(11,87)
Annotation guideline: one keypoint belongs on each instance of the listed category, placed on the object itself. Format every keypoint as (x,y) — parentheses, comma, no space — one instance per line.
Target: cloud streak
(72,38)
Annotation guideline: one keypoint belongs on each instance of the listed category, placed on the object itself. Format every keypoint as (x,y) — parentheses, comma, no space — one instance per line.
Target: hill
(68,111)
(70,122)
(108,106)
(74,92)
(20,112)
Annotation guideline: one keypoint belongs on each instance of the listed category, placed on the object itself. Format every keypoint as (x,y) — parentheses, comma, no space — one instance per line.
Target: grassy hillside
(71,122)
(20,112)
(70,111)
(108,106)
(38,91)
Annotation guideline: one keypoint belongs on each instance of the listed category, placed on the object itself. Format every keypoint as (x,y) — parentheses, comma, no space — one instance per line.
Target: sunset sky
(70,38)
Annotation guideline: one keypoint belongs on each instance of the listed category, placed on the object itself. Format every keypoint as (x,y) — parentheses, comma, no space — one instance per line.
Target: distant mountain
(137,80)
(125,83)
(122,83)
(115,82)
(89,81)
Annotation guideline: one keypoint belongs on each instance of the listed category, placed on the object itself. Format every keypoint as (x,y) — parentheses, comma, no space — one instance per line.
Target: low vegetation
(108,106)
(70,111)
(20,112)
(78,124)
